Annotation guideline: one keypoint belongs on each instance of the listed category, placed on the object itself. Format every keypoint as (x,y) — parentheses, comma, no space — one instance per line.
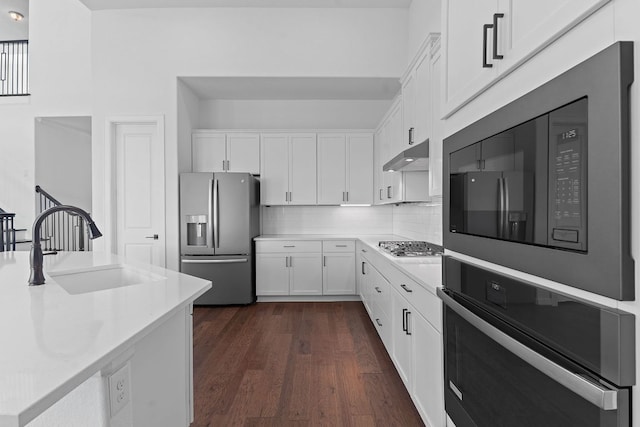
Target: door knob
(154,237)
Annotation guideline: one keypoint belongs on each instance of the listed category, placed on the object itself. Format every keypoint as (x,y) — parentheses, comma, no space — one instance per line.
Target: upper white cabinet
(288,164)
(486,39)
(216,151)
(434,112)
(345,168)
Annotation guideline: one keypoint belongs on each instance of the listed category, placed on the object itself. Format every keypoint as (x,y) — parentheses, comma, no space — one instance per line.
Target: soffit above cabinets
(137,4)
(293,88)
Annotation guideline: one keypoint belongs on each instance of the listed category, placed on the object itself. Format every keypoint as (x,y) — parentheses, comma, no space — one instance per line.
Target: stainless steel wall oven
(520,355)
(542,184)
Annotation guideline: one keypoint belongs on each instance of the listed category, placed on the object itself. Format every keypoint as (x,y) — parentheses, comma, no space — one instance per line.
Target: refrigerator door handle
(215,261)
(210,218)
(216,214)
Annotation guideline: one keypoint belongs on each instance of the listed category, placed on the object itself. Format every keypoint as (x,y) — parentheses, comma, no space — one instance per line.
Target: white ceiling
(281,88)
(137,4)
(10,29)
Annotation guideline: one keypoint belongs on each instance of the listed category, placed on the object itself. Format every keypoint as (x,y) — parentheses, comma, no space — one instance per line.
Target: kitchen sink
(101,278)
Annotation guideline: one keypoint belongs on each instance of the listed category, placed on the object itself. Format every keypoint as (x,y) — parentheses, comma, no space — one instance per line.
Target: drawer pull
(289,246)
(341,246)
(407,289)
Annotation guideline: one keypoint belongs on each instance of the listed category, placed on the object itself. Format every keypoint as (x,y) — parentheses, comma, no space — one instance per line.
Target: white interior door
(140,192)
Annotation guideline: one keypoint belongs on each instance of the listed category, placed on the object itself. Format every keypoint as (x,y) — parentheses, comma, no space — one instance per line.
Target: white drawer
(338,246)
(289,246)
(426,303)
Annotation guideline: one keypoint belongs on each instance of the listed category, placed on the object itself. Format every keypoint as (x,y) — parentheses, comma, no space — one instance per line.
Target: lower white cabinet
(338,267)
(408,319)
(427,387)
(401,336)
(288,268)
(305,268)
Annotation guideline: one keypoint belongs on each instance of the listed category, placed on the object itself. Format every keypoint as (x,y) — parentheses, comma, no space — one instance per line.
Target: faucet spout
(35,258)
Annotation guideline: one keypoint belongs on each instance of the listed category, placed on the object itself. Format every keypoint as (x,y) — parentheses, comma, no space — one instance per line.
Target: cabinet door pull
(408,332)
(407,289)
(485,28)
(378,289)
(347,196)
(363,268)
(388,192)
(404,319)
(286,261)
(496,16)
(290,261)
(378,322)
(224,165)
(364,250)
(410,136)
(381,194)
(290,196)
(324,261)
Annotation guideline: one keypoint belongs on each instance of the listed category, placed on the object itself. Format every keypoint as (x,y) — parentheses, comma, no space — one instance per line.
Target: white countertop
(426,271)
(53,341)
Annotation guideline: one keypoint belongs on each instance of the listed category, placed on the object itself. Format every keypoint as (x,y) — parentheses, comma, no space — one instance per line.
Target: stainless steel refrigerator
(219,217)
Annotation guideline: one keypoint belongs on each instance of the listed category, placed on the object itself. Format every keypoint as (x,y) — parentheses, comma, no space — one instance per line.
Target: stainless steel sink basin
(101,278)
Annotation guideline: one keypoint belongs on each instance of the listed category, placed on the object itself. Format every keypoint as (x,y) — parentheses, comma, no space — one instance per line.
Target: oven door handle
(603,398)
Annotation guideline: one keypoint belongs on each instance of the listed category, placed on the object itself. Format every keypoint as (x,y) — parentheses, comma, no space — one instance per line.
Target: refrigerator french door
(219,217)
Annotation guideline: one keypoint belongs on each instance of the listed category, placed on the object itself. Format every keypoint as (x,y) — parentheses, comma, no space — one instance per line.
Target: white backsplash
(413,221)
(418,222)
(327,220)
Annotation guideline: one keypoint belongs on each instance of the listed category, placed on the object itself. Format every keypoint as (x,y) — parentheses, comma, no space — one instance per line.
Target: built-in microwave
(542,184)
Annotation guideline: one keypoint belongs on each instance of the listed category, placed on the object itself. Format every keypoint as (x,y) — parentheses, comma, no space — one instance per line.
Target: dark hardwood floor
(294,364)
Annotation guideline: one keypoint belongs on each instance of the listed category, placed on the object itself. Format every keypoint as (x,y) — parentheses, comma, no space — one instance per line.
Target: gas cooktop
(410,248)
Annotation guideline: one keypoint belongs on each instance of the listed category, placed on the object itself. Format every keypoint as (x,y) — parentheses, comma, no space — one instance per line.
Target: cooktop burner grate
(408,248)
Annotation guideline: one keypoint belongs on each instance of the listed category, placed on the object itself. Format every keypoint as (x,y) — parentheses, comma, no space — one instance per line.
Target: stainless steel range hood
(415,158)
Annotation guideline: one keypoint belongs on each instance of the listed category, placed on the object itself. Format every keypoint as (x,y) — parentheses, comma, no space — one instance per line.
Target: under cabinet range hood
(415,158)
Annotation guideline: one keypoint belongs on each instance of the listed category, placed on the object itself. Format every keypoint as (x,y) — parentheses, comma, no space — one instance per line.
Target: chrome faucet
(37,276)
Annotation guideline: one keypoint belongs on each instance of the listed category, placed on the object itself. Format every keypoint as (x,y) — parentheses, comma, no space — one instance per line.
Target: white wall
(60,85)
(188,119)
(421,221)
(424,18)
(351,220)
(137,55)
(63,159)
(292,114)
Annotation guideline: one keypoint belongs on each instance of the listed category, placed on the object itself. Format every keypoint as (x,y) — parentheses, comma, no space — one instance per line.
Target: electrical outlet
(119,389)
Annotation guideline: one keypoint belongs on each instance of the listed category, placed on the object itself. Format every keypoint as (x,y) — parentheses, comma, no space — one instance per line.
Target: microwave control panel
(567,183)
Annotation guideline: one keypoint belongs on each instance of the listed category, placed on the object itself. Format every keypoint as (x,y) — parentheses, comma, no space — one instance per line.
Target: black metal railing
(61,231)
(7,231)
(14,68)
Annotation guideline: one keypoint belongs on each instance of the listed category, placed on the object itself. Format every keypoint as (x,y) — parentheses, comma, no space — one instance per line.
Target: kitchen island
(82,351)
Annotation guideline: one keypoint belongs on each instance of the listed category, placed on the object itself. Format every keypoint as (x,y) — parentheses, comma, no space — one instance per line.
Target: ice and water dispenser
(196,230)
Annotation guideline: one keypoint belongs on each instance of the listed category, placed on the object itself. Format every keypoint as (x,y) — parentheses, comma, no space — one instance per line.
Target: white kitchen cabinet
(288,165)
(409,112)
(402,314)
(345,168)
(288,268)
(338,267)
(426,355)
(305,274)
(486,39)
(272,274)
(408,318)
(434,112)
(215,151)
(392,134)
